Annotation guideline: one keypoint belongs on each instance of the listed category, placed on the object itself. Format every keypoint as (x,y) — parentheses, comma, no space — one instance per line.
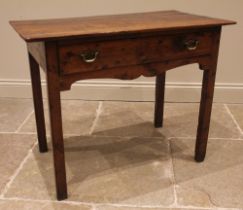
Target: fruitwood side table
(122,47)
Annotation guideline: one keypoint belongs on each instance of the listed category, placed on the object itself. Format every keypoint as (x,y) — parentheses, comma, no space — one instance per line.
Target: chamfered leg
(53,89)
(159,100)
(38,103)
(209,76)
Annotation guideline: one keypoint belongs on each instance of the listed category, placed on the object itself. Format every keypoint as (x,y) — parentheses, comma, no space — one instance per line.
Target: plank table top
(49,29)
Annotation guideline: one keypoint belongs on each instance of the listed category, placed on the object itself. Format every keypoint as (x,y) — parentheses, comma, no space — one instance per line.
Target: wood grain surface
(127,52)
(39,30)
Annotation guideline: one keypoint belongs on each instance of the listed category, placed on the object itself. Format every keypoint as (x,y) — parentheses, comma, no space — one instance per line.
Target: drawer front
(101,55)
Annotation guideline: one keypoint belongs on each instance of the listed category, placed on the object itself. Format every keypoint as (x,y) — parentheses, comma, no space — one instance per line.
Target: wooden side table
(121,47)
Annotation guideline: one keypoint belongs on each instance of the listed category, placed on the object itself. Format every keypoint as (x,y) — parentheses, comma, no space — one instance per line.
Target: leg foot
(200,157)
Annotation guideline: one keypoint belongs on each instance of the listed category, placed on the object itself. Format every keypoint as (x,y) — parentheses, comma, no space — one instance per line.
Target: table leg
(209,76)
(205,114)
(57,135)
(54,99)
(38,103)
(159,100)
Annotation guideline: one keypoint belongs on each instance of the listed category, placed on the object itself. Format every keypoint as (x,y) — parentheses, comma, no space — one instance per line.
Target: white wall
(183,83)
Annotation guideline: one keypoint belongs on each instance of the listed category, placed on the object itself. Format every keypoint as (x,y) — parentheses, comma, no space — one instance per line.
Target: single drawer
(101,55)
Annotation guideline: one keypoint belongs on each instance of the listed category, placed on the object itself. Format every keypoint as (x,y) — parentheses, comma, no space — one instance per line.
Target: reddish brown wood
(131,72)
(36,30)
(129,46)
(53,87)
(118,53)
(37,50)
(38,103)
(209,76)
(159,100)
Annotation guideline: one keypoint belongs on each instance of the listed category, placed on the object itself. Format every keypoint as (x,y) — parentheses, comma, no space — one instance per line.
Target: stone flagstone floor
(116,160)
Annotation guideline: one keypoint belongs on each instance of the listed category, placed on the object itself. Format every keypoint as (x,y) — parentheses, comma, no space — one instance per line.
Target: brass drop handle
(89,57)
(191,44)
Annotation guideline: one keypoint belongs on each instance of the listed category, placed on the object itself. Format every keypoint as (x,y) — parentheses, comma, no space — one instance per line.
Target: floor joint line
(175,203)
(210,138)
(25,120)
(94,205)
(98,112)
(16,172)
(233,118)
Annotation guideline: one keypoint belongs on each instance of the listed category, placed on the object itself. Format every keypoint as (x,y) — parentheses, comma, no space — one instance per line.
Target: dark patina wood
(209,76)
(37,50)
(159,100)
(38,103)
(132,72)
(118,53)
(53,90)
(36,30)
(121,47)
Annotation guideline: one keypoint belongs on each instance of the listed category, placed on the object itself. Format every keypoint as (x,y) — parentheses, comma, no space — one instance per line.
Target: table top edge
(55,36)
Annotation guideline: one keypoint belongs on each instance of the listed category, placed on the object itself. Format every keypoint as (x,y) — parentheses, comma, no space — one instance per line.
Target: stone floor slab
(32,205)
(126,162)
(77,116)
(13,112)
(136,119)
(215,182)
(103,170)
(13,149)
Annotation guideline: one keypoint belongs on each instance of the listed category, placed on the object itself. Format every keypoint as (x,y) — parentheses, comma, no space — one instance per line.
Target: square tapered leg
(54,99)
(38,103)
(159,100)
